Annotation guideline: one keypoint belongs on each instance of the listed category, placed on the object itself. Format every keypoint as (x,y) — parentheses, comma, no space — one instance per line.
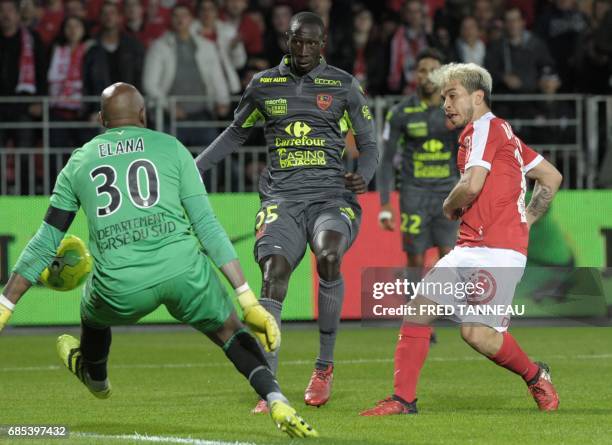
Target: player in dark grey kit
(428,167)
(307,197)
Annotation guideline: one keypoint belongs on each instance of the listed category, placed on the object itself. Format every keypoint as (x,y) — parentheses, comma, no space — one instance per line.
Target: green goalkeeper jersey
(131,182)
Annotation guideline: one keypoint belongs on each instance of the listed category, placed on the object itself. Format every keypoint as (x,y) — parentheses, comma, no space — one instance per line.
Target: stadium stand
(551,61)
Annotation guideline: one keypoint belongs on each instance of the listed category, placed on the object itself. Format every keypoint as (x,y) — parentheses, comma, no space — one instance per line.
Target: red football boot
(389,407)
(319,388)
(261,407)
(543,391)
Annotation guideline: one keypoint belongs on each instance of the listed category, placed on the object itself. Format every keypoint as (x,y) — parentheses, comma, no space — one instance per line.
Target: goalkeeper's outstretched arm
(37,255)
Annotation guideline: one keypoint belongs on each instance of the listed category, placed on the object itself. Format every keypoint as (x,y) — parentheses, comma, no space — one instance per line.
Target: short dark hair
(307,18)
(431,53)
(61,36)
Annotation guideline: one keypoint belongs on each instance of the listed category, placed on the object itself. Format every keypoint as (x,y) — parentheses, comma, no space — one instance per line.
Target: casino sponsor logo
(273,80)
(365,111)
(300,158)
(276,107)
(324,101)
(327,82)
(299,131)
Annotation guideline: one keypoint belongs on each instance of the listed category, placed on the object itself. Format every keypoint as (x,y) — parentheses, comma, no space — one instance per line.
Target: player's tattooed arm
(540,201)
(548,179)
(465,192)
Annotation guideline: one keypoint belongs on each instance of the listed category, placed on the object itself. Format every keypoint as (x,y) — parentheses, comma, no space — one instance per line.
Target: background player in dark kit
(417,125)
(428,169)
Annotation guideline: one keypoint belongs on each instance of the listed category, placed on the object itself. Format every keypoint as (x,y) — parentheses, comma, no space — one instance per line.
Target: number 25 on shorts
(266,215)
(411,224)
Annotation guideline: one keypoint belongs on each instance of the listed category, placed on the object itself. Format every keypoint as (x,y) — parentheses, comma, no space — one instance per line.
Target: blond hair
(471,76)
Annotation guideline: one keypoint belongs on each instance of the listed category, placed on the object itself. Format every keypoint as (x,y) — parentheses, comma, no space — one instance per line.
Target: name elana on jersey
(125,146)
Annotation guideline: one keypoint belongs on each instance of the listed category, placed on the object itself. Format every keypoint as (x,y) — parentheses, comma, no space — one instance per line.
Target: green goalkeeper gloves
(5,314)
(260,321)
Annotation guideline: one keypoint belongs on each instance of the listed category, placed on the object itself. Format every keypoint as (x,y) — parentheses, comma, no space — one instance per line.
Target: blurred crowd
(73,48)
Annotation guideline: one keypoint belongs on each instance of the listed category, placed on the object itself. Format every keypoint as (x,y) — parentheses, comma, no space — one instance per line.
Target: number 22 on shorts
(266,215)
(411,224)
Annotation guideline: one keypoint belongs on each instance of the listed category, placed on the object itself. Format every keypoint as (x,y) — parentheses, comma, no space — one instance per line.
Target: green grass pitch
(173,385)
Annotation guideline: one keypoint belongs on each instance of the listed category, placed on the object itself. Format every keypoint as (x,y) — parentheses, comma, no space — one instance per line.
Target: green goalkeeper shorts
(195,297)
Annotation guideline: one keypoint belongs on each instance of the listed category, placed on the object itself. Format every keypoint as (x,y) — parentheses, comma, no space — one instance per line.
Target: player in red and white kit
(492,246)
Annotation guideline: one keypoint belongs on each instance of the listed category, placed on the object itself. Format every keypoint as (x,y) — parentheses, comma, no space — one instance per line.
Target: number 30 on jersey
(140,198)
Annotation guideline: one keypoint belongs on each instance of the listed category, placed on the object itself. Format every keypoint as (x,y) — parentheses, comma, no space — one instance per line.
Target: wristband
(242,289)
(7,303)
(385,214)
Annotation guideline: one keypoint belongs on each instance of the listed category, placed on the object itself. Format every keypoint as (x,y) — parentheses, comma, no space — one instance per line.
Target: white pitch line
(467,358)
(156,439)
(594,356)
(228,364)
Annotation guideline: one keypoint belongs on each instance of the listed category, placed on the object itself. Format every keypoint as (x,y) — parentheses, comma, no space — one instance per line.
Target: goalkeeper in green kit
(144,199)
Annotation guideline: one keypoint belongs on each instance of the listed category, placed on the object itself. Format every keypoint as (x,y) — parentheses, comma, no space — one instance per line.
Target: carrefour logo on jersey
(427,164)
(299,158)
(433,145)
(300,131)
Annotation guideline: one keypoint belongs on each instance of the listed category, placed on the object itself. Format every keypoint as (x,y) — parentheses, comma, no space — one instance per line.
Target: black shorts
(285,227)
(423,224)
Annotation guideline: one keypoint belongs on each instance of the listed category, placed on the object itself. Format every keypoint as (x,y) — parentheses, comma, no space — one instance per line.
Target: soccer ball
(70,267)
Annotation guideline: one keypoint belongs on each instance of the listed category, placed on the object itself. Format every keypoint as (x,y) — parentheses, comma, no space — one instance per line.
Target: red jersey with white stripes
(497,217)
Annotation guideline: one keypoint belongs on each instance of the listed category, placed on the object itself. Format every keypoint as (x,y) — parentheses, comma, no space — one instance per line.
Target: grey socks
(331,295)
